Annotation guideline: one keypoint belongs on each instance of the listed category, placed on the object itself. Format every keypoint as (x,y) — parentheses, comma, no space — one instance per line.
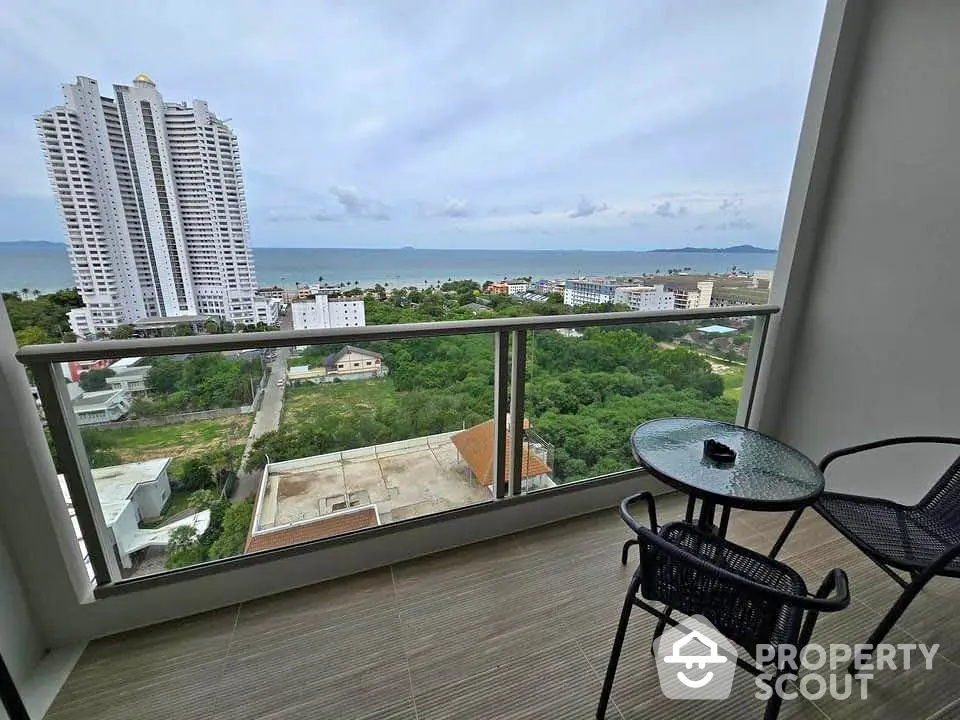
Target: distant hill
(733,249)
(29,245)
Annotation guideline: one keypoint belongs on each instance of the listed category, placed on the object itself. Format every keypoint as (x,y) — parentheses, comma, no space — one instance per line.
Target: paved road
(267,417)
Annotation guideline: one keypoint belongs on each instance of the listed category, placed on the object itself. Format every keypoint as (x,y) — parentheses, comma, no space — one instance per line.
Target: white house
(321,313)
(128,494)
(100,406)
(349,363)
(130,379)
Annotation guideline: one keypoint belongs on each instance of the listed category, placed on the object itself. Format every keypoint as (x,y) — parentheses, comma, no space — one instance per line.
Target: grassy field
(180,441)
(311,401)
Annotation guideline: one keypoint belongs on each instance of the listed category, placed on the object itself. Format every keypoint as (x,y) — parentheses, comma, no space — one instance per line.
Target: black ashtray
(718,452)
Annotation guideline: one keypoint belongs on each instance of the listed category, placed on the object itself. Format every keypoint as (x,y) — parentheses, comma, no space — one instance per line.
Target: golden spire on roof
(141,78)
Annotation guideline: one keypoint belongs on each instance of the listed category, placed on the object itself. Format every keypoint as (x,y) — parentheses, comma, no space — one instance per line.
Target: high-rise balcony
(502,603)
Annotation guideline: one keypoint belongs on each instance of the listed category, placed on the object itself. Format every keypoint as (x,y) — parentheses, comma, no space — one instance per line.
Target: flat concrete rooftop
(403,479)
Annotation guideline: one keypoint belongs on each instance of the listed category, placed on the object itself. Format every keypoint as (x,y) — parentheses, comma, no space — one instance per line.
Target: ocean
(46,267)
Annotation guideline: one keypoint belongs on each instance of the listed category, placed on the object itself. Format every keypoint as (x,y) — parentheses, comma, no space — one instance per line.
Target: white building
(267,310)
(517,286)
(321,313)
(152,200)
(128,494)
(100,406)
(689,295)
(131,379)
(584,291)
(645,297)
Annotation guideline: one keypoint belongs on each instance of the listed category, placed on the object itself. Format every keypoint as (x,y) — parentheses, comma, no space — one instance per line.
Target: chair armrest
(630,520)
(829,458)
(835,582)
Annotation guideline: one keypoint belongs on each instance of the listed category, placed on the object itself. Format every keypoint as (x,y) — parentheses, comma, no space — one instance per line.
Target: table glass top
(765,471)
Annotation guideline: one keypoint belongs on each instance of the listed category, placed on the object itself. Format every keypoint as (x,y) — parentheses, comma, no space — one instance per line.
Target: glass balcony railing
(183,451)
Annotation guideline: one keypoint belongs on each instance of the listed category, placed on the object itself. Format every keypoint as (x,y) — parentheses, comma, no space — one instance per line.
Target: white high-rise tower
(151,195)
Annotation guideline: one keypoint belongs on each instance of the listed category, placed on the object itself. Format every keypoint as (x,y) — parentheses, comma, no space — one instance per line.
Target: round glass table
(765,475)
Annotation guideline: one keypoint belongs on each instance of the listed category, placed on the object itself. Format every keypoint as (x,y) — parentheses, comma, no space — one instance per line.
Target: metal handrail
(65,352)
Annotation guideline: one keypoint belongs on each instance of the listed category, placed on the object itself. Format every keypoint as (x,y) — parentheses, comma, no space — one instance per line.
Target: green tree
(184,548)
(235,527)
(32,335)
(195,475)
(94,380)
(122,332)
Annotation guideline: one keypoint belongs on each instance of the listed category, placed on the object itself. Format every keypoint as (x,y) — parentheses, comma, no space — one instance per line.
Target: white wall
(20,640)
(875,334)
(151,497)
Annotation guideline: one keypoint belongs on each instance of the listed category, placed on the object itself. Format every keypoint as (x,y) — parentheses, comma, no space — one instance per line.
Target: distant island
(740,249)
(29,244)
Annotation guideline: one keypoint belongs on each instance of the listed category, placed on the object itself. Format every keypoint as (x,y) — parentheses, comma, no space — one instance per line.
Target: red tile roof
(476,445)
(323,527)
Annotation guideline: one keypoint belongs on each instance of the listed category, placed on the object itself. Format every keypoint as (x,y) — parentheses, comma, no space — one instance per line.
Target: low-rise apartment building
(645,297)
(267,310)
(321,312)
(674,295)
(517,286)
(588,291)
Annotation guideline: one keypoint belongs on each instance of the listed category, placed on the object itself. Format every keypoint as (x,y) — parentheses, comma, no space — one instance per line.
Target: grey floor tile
(129,675)
(519,627)
(556,683)
(320,653)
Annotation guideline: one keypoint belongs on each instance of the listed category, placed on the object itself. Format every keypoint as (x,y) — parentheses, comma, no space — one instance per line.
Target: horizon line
(470,249)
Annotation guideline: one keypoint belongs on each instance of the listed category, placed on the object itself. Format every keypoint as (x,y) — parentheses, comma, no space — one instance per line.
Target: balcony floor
(518,627)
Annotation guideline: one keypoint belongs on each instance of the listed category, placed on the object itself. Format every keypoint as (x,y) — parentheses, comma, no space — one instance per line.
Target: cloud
(586,207)
(666,209)
(517,107)
(698,228)
(733,204)
(292,216)
(358,206)
(738,223)
(455,208)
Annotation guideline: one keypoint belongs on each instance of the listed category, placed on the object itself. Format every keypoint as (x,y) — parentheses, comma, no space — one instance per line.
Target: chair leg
(893,614)
(787,529)
(773,704)
(617,647)
(658,631)
(626,548)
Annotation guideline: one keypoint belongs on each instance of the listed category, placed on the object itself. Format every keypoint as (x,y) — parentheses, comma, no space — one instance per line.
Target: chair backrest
(743,613)
(942,501)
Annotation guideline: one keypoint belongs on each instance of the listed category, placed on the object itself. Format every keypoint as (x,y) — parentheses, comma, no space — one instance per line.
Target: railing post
(518,369)
(751,372)
(72,457)
(501,381)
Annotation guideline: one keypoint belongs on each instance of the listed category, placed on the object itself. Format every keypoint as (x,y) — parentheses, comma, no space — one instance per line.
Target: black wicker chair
(749,598)
(922,540)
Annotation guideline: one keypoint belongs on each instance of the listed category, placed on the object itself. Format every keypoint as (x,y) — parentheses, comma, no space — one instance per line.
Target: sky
(539,124)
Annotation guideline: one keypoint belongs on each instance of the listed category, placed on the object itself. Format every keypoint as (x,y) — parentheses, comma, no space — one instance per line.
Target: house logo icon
(695,661)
